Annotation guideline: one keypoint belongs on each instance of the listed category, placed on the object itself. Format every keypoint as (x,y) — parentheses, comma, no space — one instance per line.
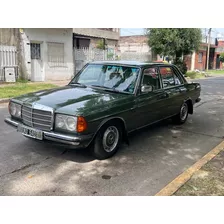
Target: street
(156,156)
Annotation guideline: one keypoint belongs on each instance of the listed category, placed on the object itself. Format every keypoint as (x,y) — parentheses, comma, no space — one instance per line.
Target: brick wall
(200,65)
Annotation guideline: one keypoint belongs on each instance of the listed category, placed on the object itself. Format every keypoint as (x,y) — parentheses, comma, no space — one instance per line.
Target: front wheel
(107,141)
(182,116)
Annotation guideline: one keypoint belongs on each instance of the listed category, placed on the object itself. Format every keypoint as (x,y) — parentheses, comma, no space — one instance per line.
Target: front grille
(39,119)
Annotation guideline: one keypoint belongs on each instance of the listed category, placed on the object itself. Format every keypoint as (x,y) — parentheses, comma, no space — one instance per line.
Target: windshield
(114,77)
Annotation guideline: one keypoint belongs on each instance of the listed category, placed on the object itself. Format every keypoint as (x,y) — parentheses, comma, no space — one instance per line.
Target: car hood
(74,100)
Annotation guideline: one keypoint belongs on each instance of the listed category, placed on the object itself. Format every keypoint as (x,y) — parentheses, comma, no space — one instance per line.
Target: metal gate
(84,55)
(8,58)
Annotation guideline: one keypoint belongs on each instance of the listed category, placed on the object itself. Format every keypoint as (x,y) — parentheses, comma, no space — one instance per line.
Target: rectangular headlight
(65,122)
(15,109)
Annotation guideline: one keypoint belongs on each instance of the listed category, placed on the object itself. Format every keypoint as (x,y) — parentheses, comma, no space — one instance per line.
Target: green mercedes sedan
(103,103)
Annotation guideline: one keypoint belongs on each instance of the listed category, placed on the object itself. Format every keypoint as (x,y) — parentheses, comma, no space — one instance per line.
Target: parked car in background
(103,103)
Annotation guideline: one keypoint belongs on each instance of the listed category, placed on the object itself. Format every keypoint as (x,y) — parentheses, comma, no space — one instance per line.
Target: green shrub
(195,75)
(22,80)
(221,58)
(181,65)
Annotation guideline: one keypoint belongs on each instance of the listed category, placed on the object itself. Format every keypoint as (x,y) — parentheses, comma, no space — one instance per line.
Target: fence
(85,55)
(8,58)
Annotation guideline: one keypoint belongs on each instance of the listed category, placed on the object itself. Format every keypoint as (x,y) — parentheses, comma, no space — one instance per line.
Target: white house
(48,53)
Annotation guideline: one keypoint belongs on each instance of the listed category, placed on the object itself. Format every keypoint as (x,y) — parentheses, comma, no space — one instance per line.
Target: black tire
(99,149)
(182,116)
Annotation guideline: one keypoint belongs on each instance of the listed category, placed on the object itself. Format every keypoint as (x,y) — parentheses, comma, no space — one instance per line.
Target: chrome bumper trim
(61,138)
(10,121)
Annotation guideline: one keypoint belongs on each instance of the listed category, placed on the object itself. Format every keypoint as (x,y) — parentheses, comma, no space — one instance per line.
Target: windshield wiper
(103,87)
(78,84)
(110,89)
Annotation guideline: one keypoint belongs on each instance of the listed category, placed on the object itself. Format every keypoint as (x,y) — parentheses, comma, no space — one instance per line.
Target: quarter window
(151,78)
(169,78)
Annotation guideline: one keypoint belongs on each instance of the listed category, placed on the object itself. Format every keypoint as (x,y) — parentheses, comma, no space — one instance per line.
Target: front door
(218,62)
(36,63)
(151,106)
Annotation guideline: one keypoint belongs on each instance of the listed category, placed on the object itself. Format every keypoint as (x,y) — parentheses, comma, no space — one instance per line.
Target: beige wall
(8,36)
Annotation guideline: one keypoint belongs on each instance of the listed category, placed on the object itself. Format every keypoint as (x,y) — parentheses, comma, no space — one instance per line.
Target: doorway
(217,62)
(36,63)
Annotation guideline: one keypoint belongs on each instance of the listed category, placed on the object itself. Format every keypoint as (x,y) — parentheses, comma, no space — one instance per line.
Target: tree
(100,45)
(221,58)
(174,42)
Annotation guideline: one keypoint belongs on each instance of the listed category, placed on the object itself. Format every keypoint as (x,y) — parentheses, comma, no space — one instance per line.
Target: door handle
(182,90)
(164,95)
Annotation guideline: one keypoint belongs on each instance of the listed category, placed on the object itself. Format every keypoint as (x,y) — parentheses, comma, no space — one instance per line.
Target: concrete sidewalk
(208,181)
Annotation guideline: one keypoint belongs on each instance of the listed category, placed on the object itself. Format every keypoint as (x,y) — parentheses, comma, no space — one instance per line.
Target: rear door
(174,88)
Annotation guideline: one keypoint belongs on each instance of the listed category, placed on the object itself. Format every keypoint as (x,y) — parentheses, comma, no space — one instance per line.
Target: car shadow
(50,149)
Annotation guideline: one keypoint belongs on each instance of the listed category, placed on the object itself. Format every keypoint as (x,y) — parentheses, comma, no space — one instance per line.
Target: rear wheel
(182,116)
(107,141)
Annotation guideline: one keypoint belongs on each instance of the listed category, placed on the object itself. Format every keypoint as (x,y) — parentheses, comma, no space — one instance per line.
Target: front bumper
(75,141)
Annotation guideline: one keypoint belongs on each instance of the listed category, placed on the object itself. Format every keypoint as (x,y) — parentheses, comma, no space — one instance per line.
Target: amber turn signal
(81,124)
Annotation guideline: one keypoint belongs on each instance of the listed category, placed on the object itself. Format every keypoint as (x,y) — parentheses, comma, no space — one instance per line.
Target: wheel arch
(120,120)
(190,105)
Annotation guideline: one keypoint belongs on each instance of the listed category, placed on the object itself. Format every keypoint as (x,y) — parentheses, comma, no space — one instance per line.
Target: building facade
(136,43)
(93,37)
(47,53)
(198,60)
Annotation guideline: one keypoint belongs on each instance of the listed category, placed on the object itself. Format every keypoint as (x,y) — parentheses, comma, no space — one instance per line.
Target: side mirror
(146,88)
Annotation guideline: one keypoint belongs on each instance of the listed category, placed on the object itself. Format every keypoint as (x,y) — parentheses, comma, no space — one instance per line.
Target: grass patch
(21,88)
(22,80)
(216,72)
(195,75)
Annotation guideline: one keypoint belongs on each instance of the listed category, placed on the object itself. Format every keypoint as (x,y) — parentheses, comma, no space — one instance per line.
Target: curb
(178,182)
(6,100)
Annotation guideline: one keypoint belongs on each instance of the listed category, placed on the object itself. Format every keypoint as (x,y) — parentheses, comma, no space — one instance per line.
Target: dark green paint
(98,105)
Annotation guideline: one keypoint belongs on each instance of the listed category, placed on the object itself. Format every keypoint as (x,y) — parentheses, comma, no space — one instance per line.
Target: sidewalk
(208,181)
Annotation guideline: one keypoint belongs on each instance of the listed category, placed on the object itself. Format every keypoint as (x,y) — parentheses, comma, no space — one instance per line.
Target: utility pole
(208,51)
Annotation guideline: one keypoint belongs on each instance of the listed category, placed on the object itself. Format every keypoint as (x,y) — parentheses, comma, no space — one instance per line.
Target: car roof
(130,63)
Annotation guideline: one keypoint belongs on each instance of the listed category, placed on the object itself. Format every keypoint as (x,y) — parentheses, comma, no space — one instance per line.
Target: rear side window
(169,78)
(151,77)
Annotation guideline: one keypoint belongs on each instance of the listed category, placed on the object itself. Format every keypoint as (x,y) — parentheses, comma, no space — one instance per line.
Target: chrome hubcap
(110,138)
(183,112)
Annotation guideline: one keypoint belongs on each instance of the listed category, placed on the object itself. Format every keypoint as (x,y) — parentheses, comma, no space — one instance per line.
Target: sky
(140,31)
(131,31)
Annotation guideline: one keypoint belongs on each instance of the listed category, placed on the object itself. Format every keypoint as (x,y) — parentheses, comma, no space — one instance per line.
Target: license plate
(30,132)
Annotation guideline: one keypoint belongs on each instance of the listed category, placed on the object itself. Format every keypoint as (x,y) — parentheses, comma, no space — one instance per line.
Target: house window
(200,56)
(56,54)
(35,51)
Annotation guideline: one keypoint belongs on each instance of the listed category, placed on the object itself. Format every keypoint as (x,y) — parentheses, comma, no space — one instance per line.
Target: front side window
(115,77)
(169,78)
(151,77)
